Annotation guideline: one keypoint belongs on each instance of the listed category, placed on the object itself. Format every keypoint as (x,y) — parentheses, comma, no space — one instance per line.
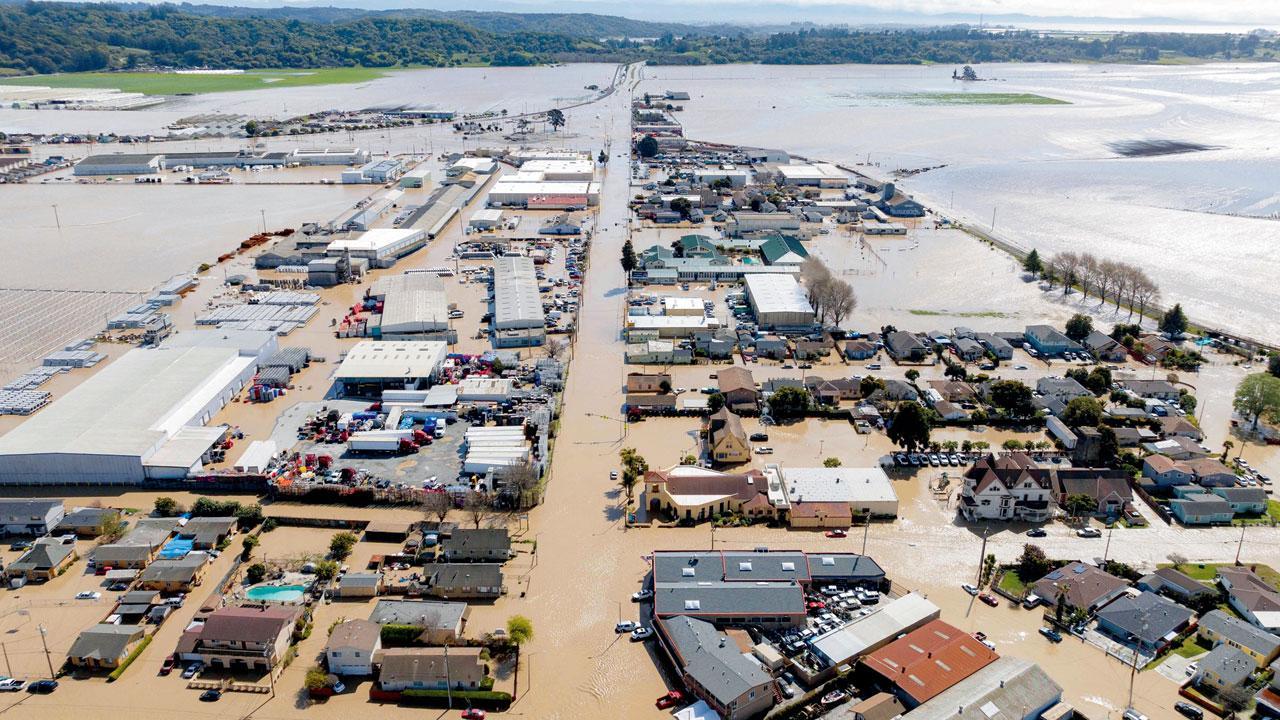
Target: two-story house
(242,638)
(1007,488)
(477,545)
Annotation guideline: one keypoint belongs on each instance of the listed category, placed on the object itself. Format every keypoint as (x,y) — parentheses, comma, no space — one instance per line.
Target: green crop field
(161,83)
(972,98)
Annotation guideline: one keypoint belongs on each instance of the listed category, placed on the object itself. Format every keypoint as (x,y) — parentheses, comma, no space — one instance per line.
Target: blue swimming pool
(177,548)
(276,593)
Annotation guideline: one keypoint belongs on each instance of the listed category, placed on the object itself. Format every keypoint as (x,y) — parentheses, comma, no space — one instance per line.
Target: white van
(440,426)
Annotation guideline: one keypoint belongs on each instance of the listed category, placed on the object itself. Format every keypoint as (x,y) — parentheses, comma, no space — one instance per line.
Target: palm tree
(520,631)
(1226,449)
(1060,602)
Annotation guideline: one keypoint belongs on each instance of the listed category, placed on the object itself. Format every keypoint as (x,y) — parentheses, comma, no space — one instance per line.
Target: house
(648,382)
(1048,341)
(1221,628)
(1152,620)
(179,575)
(441,623)
(432,668)
(1251,596)
(477,545)
(717,344)
(1006,488)
(1104,347)
(811,349)
(207,533)
(1158,389)
(1243,500)
(1211,473)
(905,347)
(953,391)
(104,646)
(1132,437)
(831,392)
(783,250)
(995,345)
(1080,586)
(351,647)
(1178,426)
(1200,508)
(30,517)
(895,391)
(927,661)
(772,346)
(1224,668)
(88,522)
(1178,448)
(1064,389)
(1166,472)
(715,669)
(359,585)
(968,349)
(45,560)
(881,706)
(726,440)
(1107,488)
(692,493)
(738,388)
(138,547)
(1176,584)
(859,350)
(463,580)
(245,637)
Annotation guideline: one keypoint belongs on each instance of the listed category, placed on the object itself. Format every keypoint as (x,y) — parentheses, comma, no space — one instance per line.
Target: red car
(989,599)
(837,534)
(817,605)
(473,714)
(670,700)
(168,665)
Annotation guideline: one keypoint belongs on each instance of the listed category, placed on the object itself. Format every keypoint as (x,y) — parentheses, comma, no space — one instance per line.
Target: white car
(970,588)
(641,633)
(641,595)
(764,450)
(11,685)
(1089,532)
(625,626)
(88,595)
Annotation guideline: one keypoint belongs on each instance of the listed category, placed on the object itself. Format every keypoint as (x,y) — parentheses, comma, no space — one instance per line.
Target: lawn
(1191,646)
(160,83)
(972,98)
(1012,584)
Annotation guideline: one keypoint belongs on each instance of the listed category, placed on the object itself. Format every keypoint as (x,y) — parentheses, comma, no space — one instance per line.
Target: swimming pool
(177,548)
(276,593)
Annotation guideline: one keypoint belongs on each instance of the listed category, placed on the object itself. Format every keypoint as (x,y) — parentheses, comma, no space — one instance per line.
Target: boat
(835,697)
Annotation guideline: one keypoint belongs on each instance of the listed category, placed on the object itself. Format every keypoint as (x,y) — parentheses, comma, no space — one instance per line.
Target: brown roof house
(726,440)
(351,647)
(689,492)
(432,668)
(738,388)
(247,637)
(1109,489)
(648,382)
(1085,587)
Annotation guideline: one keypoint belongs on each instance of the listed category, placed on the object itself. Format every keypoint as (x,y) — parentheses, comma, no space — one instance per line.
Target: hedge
(487,699)
(394,635)
(124,664)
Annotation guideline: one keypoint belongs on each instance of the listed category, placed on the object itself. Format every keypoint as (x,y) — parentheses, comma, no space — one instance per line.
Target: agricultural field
(163,83)
(972,98)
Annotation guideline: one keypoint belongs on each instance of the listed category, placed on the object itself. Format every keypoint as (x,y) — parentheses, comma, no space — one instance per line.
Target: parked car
(1037,532)
(20,545)
(11,685)
(641,595)
(970,588)
(759,437)
(670,700)
(641,633)
(192,670)
(1089,532)
(786,690)
(211,696)
(1131,714)
(764,450)
(88,595)
(837,533)
(1192,668)
(1052,634)
(167,666)
(989,599)
(1189,710)
(473,714)
(625,626)
(42,687)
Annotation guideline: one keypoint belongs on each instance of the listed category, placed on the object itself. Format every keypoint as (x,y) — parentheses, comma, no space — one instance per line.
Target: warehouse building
(329,156)
(414,307)
(119,164)
(371,367)
(778,301)
(580,169)
(416,178)
(381,247)
(376,171)
(138,418)
(518,320)
(813,175)
(547,194)
(735,177)
(831,497)
(227,158)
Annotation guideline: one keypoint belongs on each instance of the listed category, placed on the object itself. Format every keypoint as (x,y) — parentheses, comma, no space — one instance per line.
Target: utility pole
(448,680)
(264,220)
(8,670)
(866,530)
(57,220)
(1240,545)
(993,219)
(45,643)
(1107,551)
(982,557)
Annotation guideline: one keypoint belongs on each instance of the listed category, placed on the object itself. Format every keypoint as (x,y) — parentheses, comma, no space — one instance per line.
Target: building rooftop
(777,294)
(891,619)
(1149,617)
(413,303)
(419,613)
(712,660)
(516,300)
(842,484)
(927,661)
(397,359)
(1007,689)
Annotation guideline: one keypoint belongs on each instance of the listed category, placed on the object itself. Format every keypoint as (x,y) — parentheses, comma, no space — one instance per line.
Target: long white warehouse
(778,301)
(544,194)
(138,418)
(518,320)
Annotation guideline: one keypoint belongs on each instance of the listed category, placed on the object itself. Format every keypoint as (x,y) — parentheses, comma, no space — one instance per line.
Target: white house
(351,647)
(1007,488)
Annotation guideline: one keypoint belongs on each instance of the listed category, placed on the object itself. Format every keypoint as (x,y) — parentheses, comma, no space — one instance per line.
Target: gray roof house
(30,517)
(1175,583)
(478,545)
(904,346)
(441,622)
(1224,667)
(1007,689)
(716,669)
(1222,628)
(46,559)
(104,645)
(1103,347)
(463,580)
(1152,620)
(1064,389)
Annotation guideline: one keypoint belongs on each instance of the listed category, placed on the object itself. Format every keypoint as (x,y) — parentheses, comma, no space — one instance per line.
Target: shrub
(124,664)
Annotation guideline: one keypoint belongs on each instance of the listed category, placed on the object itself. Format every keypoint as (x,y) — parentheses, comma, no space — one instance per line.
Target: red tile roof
(930,660)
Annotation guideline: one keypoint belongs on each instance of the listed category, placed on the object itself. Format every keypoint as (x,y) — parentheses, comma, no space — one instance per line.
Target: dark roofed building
(715,669)
(1086,587)
(104,645)
(1176,584)
(463,580)
(87,521)
(30,517)
(477,545)
(1152,620)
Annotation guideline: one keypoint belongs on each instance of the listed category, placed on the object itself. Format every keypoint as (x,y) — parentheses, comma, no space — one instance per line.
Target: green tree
(683,206)
(165,507)
(1082,412)
(628,258)
(316,678)
(247,546)
(1108,445)
(327,570)
(556,118)
(647,147)
(689,459)
(255,573)
(956,371)
(341,544)
(1033,564)
(912,375)
(831,462)
(869,384)
(634,466)
(251,128)
(1013,397)
(1079,327)
(1174,322)
(1257,394)
(909,427)
(715,401)
(1033,264)
(520,632)
(1078,504)
(1273,364)
(789,402)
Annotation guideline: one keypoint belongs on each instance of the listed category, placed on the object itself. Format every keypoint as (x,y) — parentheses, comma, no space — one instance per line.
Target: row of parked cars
(933,459)
(39,687)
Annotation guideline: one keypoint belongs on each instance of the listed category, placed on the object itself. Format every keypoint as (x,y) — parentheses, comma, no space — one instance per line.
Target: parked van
(440,426)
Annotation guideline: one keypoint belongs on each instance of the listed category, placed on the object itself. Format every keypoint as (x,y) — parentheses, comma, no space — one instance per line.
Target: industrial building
(841,492)
(329,156)
(376,171)
(495,450)
(518,320)
(256,344)
(735,177)
(416,178)
(578,169)
(139,418)
(778,301)
(371,367)
(227,158)
(119,164)
(380,246)
(546,194)
(814,175)
(414,307)
(486,219)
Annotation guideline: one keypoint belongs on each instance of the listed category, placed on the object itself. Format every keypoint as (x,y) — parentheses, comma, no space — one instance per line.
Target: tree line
(832,298)
(1119,282)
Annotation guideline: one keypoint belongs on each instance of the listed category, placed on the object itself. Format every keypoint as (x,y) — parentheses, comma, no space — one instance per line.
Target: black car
(1189,710)
(1036,532)
(211,696)
(43,687)
(760,437)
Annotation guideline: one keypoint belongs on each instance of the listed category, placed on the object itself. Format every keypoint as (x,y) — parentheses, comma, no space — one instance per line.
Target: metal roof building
(115,426)
(778,301)
(376,366)
(379,246)
(414,304)
(875,630)
(517,303)
(1007,689)
(119,164)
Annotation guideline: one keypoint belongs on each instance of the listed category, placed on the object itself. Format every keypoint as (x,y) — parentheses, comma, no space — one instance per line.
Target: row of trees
(831,297)
(1120,282)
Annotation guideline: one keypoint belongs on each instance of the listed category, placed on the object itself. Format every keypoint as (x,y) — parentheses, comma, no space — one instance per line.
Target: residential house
(351,647)
(1252,597)
(895,391)
(1108,488)
(1243,500)
(1177,426)
(692,493)
(905,347)
(1166,472)
(1006,488)
(1224,668)
(715,669)
(995,345)
(881,706)
(1211,473)
(772,346)
(138,547)
(1152,620)
(811,349)
(104,646)
(180,575)
(831,392)
(207,533)
(1104,348)
(968,349)
(1048,341)
(859,350)
(1221,628)
(1177,447)
(953,391)
(482,581)
(441,623)
(1200,508)
(1081,586)
(89,522)
(648,382)
(1064,389)
(927,661)
(30,517)
(717,344)
(1132,437)
(1177,585)
(738,388)
(1158,389)
(726,440)
(432,668)
(245,637)
(45,560)
(477,545)
(359,585)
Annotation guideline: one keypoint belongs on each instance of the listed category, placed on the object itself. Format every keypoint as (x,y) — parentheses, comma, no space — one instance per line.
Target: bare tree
(522,482)
(437,504)
(816,279)
(1148,294)
(1107,273)
(478,506)
(1067,267)
(1087,273)
(554,348)
(840,300)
